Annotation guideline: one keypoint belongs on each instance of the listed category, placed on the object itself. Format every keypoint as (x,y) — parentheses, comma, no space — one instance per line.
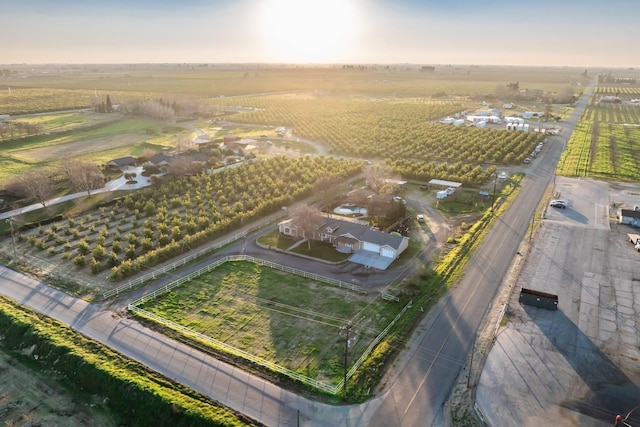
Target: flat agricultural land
(606,142)
(286,319)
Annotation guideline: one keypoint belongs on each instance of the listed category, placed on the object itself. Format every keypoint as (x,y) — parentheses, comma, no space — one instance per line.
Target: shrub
(80,261)
(40,244)
(147,244)
(132,238)
(112,259)
(131,252)
(95,266)
(83,247)
(98,252)
(66,256)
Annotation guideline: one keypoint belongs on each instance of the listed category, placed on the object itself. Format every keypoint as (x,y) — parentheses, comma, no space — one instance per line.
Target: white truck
(635,239)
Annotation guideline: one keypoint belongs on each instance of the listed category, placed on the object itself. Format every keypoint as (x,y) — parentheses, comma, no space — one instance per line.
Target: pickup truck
(635,239)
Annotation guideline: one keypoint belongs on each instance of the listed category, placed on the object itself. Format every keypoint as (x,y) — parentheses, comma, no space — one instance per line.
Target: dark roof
(629,213)
(360,231)
(124,161)
(196,157)
(156,159)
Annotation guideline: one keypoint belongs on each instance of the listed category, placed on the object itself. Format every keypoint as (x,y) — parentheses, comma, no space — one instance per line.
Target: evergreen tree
(108,106)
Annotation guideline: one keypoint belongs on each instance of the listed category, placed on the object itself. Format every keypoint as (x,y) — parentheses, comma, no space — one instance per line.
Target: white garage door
(389,253)
(372,247)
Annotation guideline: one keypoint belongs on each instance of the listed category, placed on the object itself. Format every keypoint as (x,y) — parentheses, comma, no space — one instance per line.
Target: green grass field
(98,138)
(289,320)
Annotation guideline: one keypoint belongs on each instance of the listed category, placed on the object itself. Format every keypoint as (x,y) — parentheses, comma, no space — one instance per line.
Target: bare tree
(83,175)
(35,184)
(327,186)
(306,219)
(381,179)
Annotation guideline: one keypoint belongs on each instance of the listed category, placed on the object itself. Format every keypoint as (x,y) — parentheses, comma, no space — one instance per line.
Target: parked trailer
(635,239)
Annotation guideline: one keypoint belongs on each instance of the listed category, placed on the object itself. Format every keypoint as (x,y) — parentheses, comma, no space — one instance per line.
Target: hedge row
(139,396)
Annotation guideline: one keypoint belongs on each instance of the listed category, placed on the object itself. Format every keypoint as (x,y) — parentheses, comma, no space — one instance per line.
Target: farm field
(152,225)
(606,141)
(285,319)
(378,111)
(75,86)
(399,131)
(98,140)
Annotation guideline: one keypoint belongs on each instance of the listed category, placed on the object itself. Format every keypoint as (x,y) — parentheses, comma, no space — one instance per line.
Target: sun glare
(308,30)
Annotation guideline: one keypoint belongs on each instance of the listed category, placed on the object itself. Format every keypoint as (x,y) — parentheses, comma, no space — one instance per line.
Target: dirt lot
(30,398)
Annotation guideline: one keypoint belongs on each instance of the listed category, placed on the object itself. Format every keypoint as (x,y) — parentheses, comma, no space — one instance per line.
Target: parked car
(562,204)
(420,218)
(527,160)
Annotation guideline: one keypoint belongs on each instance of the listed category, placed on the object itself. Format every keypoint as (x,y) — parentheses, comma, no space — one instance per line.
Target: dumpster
(538,299)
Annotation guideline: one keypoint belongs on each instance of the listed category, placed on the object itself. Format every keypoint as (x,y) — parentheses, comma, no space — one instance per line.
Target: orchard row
(393,131)
(156,224)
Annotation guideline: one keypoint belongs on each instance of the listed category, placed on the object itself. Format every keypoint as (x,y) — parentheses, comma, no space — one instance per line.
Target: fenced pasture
(295,322)
(606,141)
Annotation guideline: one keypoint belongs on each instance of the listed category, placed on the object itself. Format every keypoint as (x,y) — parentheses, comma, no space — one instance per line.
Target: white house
(370,247)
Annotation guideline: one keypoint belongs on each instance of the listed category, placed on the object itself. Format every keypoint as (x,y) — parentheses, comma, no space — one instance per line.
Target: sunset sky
(543,32)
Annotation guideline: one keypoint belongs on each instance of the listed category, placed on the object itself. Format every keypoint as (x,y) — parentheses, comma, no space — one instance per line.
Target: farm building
(513,119)
(445,184)
(370,247)
(486,119)
(629,216)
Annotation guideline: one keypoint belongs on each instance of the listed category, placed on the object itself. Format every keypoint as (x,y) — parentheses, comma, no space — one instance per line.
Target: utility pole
(13,242)
(493,195)
(346,354)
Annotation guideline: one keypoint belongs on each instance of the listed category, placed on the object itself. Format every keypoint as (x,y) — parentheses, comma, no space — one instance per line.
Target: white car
(562,204)
(420,218)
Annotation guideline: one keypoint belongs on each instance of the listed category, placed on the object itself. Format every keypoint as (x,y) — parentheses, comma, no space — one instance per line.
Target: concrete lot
(579,365)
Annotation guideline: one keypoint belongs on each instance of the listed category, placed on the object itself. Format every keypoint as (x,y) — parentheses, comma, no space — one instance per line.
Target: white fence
(333,389)
(167,268)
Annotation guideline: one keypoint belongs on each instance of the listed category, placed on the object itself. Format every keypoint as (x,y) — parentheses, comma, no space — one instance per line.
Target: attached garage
(388,252)
(371,247)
